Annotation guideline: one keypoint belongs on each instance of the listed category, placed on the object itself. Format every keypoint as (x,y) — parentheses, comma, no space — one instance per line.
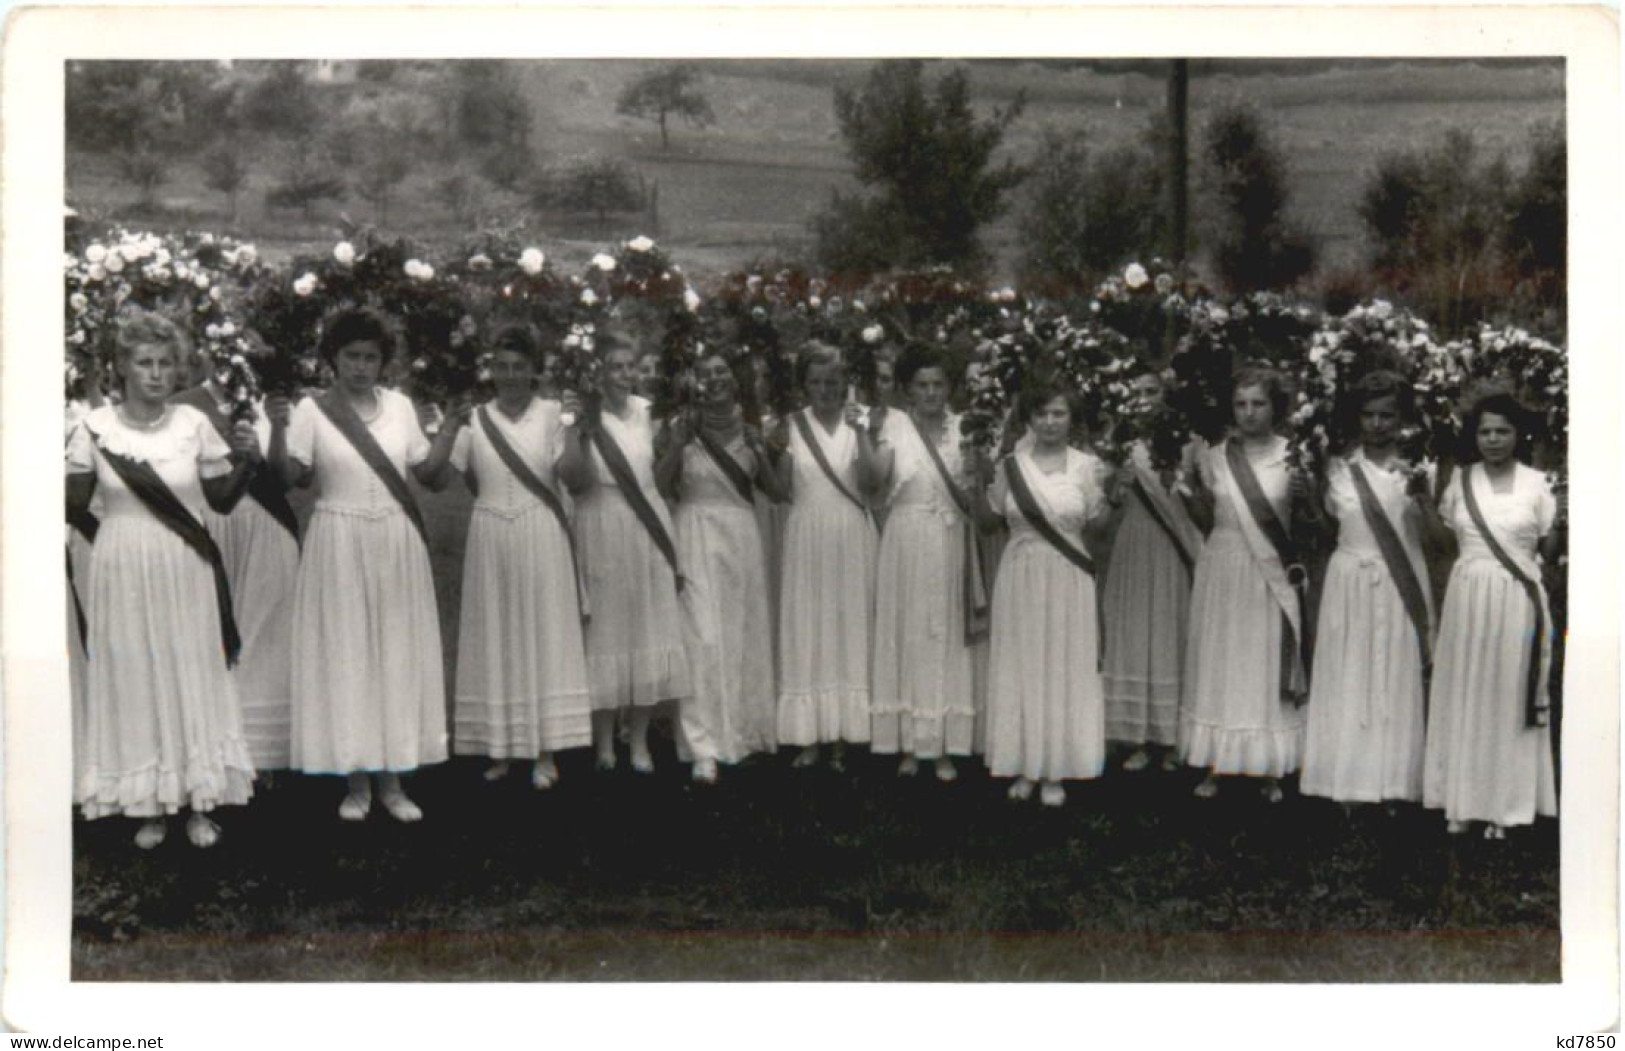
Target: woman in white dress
(828,571)
(521,683)
(369,691)
(1368,696)
(927,622)
(711,469)
(1245,675)
(260,543)
(1145,603)
(1489,748)
(635,642)
(1046,707)
(162,729)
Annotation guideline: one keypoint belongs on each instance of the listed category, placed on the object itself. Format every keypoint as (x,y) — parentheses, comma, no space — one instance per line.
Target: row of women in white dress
(877,637)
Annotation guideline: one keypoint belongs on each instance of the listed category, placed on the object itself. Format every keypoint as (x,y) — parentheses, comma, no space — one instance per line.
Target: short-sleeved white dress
(162,728)
(826,596)
(1366,697)
(635,640)
(1145,603)
(521,683)
(368,684)
(1046,706)
(719,545)
(1233,718)
(924,699)
(1483,762)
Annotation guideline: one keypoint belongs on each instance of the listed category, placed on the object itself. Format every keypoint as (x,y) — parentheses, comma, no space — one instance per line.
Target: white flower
(182,273)
(305,285)
(344,253)
(130,252)
(227,330)
(95,254)
(95,273)
(79,302)
(588,297)
(572,341)
(587,343)
(159,274)
(418,270)
(247,255)
(214,293)
(874,334)
(531,260)
(691,300)
(114,263)
(815,302)
(606,263)
(1135,276)
(161,257)
(77,338)
(481,261)
(201,280)
(639,244)
(211,331)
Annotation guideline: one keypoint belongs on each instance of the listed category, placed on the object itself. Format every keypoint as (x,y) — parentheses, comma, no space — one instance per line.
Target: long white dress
(1233,717)
(826,597)
(719,546)
(1145,603)
(924,699)
(368,683)
(1366,724)
(635,641)
(262,564)
(162,728)
(1046,705)
(521,682)
(1483,763)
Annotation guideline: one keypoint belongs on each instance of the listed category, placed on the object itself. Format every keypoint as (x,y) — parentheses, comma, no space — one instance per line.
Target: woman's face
(885,381)
(512,373)
(549,376)
(1379,421)
(716,380)
(149,373)
(1497,438)
(826,386)
(620,374)
(358,365)
(1255,416)
(1052,423)
(1147,391)
(928,391)
(648,374)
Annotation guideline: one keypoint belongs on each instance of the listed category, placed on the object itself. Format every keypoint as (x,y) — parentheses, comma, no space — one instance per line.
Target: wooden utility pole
(1179,149)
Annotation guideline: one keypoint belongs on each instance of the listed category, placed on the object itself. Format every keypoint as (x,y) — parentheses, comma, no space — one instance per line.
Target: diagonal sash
(338,410)
(1295,655)
(264,487)
(78,607)
(1400,568)
(618,466)
(1027,503)
(727,464)
(973,577)
(1534,705)
(87,524)
(165,506)
(1155,511)
(539,489)
(804,425)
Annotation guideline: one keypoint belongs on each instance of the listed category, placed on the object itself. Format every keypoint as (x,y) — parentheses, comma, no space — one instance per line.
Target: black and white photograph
(913,515)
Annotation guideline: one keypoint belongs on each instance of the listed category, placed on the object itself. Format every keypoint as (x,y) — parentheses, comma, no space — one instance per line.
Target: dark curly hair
(359,325)
(1498,403)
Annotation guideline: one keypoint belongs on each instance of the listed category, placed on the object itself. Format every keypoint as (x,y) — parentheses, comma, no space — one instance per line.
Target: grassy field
(746,187)
(785,875)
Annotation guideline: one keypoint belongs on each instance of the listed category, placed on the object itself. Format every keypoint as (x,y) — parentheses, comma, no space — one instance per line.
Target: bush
(1536,238)
(490,110)
(1254,245)
(146,169)
(930,162)
(599,185)
(225,171)
(304,183)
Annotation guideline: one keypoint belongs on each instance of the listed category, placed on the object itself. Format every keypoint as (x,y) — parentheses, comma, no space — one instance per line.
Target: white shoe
(1208,788)
(1494,832)
(151,833)
(1052,794)
(1455,828)
(497,770)
(401,807)
(1137,762)
(1021,790)
(545,774)
(946,770)
(1272,791)
(908,767)
(202,832)
(808,756)
(705,771)
(355,806)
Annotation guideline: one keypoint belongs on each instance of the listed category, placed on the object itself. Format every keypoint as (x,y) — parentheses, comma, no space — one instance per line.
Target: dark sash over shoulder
(1534,701)
(1167,527)
(265,488)
(1269,523)
(1028,505)
(536,487)
(342,415)
(1399,566)
(87,524)
(977,594)
(618,466)
(165,506)
(727,465)
(804,425)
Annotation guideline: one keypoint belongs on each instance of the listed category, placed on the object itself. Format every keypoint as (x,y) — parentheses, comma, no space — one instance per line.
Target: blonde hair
(138,328)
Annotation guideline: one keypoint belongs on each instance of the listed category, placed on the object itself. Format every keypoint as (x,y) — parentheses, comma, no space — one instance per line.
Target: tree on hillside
(1537,226)
(225,171)
(929,165)
(283,104)
(664,93)
(383,161)
(146,169)
(306,180)
(1088,215)
(599,185)
(1254,244)
(489,109)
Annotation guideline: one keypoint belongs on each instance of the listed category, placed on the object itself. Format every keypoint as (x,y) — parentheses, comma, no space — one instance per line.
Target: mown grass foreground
(778,874)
